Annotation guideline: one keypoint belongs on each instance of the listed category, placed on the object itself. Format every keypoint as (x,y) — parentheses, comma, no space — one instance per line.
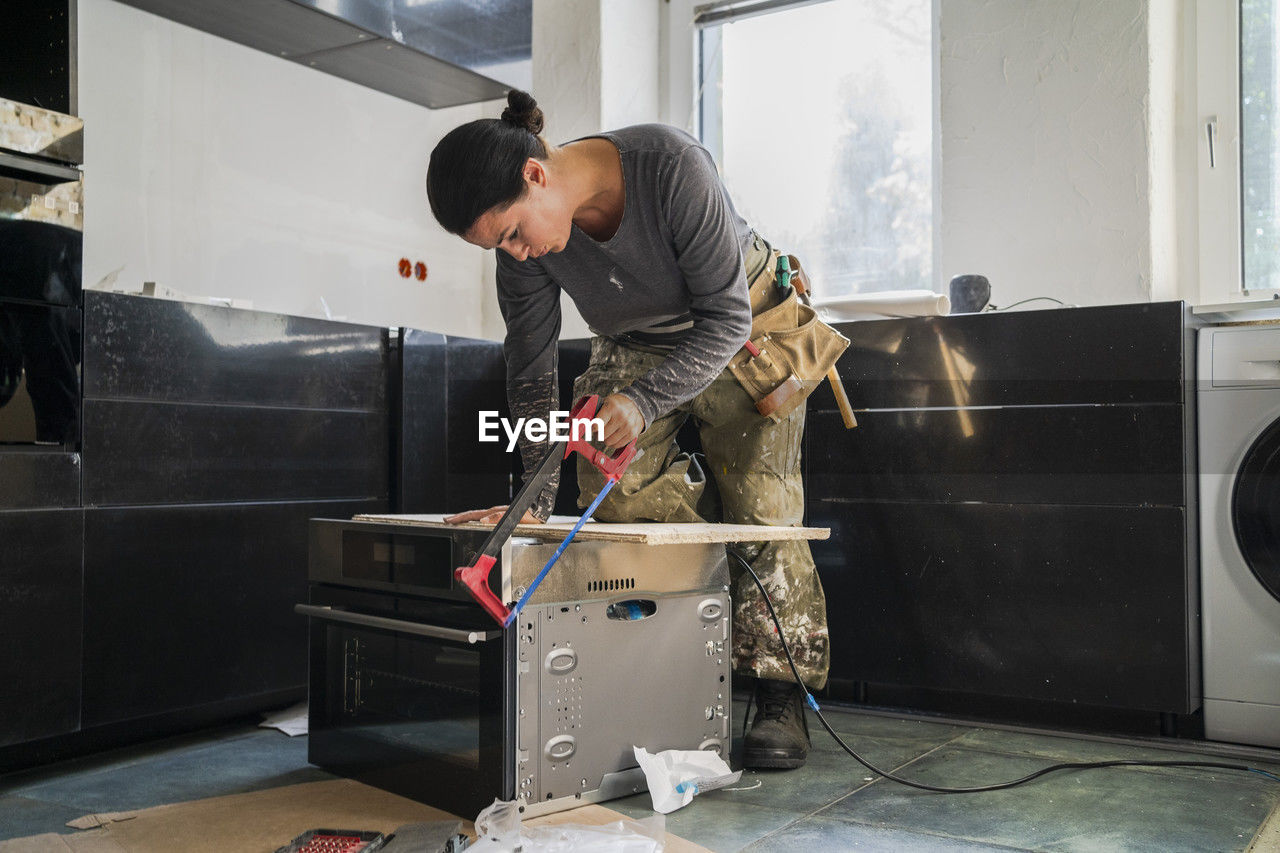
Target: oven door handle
(456,635)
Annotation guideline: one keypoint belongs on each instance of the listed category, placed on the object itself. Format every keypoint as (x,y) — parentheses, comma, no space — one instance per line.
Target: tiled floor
(830,804)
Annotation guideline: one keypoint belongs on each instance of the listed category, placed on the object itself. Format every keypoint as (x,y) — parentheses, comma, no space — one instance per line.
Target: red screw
(420,271)
(405,267)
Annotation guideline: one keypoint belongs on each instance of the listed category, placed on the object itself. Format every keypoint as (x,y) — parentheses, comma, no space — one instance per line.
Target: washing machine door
(1255,509)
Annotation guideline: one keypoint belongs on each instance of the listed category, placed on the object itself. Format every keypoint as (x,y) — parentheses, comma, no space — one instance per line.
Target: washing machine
(1239,449)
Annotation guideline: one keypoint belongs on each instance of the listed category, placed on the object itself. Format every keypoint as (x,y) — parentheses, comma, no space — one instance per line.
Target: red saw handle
(612,466)
(476,576)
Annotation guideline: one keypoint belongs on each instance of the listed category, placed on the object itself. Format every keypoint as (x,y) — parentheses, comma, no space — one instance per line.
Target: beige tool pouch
(796,349)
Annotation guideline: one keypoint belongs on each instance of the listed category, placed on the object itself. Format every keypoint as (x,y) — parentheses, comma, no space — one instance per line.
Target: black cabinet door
(1010,518)
(40,599)
(1076,604)
(193,605)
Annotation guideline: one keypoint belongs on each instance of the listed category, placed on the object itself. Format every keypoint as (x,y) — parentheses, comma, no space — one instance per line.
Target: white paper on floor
(292,721)
(675,775)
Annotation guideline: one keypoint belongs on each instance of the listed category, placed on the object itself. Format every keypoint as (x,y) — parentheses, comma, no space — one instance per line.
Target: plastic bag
(498,830)
(675,775)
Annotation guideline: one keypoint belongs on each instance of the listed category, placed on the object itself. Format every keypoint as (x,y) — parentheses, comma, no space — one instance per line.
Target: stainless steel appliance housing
(416,690)
(1239,434)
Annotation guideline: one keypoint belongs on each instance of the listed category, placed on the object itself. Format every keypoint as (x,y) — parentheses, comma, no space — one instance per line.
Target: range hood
(437,53)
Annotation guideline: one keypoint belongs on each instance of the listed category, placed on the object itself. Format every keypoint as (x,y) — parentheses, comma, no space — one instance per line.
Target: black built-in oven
(41,241)
(411,683)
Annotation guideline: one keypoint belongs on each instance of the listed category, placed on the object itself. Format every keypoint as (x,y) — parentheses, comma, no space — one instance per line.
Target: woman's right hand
(492,515)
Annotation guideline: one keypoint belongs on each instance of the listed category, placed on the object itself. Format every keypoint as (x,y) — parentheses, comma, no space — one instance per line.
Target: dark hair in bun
(480,165)
(522,111)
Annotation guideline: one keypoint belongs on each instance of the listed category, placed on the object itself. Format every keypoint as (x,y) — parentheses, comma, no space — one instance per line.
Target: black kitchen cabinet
(40,633)
(193,605)
(1014,515)
(38,478)
(211,436)
(420,412)
(161,595)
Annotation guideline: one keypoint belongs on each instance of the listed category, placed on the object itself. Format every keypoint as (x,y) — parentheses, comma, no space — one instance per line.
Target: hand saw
(476,576)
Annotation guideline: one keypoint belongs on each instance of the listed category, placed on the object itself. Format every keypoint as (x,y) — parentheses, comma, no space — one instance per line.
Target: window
(821,118)
(1238,78)
(1259,177)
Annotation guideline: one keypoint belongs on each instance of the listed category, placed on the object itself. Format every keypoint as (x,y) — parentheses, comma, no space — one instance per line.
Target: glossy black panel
(1110,354)
(158,349)
(39,261)
(480,473)
(423,452)
(1255,509)
(35,62)
(39,373)
(40,634)
(35,479)
(1045,454)
(140,452)
(1067,604)
(192,605)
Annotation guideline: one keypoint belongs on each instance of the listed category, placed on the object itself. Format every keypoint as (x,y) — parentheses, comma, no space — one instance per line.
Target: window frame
(1220,279)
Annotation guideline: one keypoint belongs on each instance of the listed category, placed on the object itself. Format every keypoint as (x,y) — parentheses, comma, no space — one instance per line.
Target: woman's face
(538,222)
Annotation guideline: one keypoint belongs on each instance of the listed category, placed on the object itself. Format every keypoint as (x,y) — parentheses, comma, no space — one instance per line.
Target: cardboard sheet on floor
(265,820)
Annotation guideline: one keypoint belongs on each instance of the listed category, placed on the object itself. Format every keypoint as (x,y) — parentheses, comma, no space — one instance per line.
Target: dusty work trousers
(754,467)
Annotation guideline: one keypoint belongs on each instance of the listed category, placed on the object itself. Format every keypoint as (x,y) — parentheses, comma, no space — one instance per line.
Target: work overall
(754,468)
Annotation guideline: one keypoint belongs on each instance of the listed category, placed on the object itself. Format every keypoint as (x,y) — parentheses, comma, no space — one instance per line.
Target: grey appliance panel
(462,32)
(591,687)
(279,27)
(404,72)
(434,54)
(593,570)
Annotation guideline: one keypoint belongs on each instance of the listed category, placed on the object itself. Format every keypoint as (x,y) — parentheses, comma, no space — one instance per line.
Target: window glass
(821,119)
(1260,179)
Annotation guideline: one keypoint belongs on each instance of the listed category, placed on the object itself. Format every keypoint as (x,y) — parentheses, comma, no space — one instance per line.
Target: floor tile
(720,825)
(853,722)
(819,834)
(1156,810)
(1066,748)
(21,816)
(253,761)
(829,804)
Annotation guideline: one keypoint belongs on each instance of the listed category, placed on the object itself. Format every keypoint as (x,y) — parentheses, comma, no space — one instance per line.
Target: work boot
(779,736)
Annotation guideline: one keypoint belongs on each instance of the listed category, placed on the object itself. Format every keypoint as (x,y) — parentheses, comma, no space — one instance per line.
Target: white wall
(595,67)
(218,170)
(1044,134)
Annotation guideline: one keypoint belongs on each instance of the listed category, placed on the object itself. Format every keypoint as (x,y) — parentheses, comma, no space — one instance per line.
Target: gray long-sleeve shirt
(674,266)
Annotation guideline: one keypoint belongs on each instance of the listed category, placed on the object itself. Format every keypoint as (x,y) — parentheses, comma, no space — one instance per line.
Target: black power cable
(1066,765)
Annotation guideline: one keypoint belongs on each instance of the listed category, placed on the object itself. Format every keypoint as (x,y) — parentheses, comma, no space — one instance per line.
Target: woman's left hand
(623,422)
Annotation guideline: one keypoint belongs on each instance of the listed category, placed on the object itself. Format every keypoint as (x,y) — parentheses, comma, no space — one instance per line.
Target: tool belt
(790,350)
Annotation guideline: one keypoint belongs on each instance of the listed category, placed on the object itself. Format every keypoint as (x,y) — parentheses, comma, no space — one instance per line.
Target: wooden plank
(646,534)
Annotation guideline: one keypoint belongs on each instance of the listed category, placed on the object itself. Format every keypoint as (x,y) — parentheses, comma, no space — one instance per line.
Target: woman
(637,228)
